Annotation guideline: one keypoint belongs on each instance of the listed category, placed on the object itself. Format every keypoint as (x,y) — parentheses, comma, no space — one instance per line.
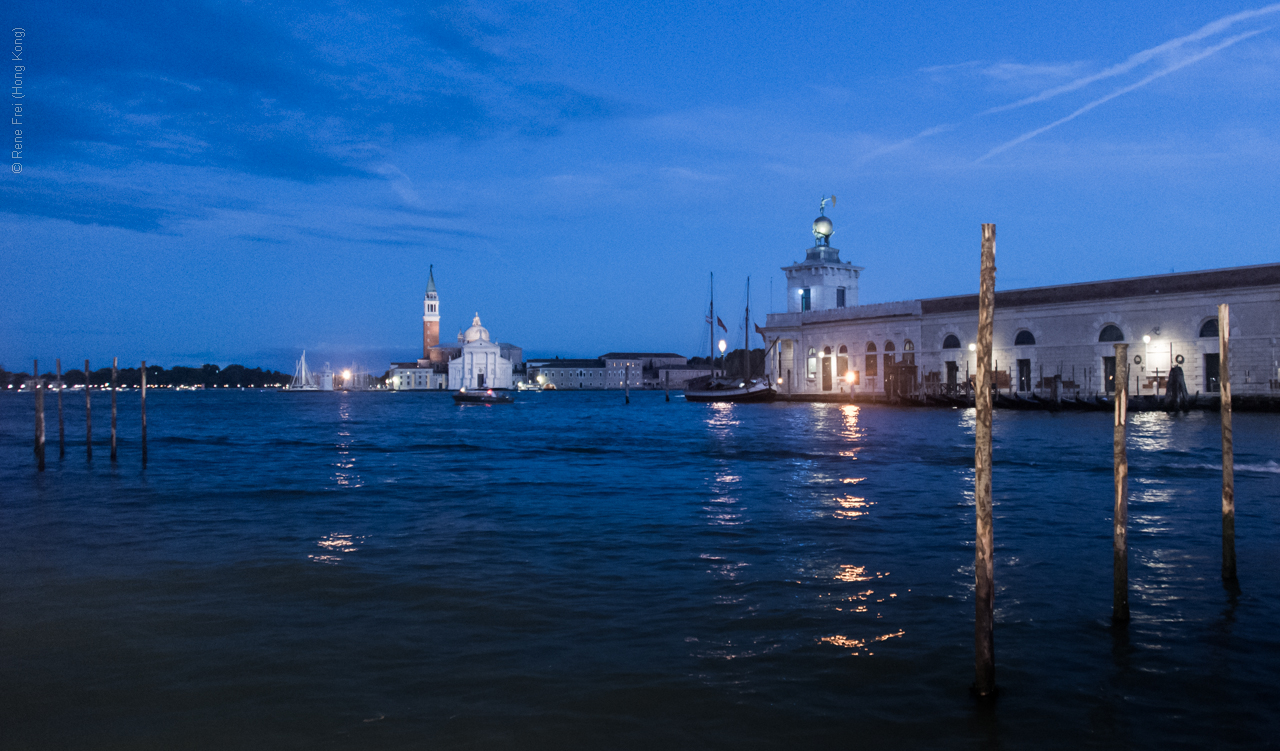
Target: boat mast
(711,319)
(746,334)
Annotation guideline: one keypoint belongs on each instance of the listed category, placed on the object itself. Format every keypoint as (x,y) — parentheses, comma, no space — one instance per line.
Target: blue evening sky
(236,181)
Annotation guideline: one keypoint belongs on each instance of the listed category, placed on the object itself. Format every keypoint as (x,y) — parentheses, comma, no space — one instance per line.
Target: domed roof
(476,332)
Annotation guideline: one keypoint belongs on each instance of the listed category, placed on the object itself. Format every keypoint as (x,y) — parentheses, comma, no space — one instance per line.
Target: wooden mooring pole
(626,383)
(62,433)
(144,413)
(115,378)
(983,563)
(35,369)
(1228,450)
(667,383)
(88,414)
(1120,516)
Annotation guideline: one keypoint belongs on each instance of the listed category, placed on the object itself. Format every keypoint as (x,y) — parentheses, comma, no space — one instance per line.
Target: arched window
(871,346)
(871,359)
(908,352)
(826,350)
(888,346)
(951,342)
(1025,338)
(842,361)
(1111,333)
(813,363)
(888,358)
(1210,327)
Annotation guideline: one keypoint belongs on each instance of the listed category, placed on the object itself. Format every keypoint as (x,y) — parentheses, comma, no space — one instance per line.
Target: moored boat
(488,396)
(730,390)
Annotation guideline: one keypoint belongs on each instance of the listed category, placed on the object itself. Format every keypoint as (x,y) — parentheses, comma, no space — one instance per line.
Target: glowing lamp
(1146,338)
(973,348)
(723,344)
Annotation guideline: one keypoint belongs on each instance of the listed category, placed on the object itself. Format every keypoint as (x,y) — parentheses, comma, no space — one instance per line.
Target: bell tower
(430,316)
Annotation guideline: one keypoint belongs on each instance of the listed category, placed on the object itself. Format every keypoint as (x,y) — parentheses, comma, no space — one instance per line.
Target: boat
(488,396)
(743,389)
(308,380)
(721,389)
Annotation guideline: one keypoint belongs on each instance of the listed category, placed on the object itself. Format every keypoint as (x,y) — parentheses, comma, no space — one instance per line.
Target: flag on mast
(726,328)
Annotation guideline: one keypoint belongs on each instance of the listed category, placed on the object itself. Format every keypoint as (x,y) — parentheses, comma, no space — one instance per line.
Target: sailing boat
(743,389)
(305,380)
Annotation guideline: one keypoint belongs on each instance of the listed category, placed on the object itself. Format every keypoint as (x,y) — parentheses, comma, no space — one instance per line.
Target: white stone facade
(1039,334)
(480,365)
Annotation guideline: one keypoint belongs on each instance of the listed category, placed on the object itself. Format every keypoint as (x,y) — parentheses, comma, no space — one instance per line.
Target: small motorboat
(488,396)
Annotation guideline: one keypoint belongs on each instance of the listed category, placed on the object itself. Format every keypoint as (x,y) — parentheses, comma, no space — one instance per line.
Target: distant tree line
(209,376)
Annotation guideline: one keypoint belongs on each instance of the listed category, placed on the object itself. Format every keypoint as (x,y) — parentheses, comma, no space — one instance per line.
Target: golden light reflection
(851,507)
(850,573)
(334,544)
(859,646)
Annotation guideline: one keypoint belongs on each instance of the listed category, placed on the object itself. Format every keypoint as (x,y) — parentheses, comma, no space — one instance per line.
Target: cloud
(1121,91)
(1173,49)
(83,203)
(296,91)
(1141,58)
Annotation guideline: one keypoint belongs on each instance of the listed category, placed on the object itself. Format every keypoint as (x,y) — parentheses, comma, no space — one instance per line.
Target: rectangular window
(839,297)
(1109,374)
(1024,375)
(871,366)
(805,299)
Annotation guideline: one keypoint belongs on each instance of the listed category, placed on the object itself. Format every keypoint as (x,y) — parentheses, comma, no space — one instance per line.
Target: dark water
(391,571)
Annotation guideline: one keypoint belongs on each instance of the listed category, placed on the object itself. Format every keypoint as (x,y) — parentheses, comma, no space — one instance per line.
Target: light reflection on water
(633,577)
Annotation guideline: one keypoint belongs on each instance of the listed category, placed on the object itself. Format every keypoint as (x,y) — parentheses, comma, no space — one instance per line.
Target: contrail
(1139,58)
(1125,90)
(1129,64)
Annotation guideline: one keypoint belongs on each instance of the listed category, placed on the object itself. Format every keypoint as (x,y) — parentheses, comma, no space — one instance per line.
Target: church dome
(822,227)
(476,332)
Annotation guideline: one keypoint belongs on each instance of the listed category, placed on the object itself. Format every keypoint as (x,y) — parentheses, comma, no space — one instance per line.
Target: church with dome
(480,364)
(474,362)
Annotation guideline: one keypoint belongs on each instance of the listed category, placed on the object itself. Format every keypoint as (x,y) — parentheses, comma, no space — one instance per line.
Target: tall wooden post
(1120,516)
(115,379)
(667,383)
(144,413)
(983,564)
(62,433)
(88,414)
(39,395)
(1228,450)
(626,382)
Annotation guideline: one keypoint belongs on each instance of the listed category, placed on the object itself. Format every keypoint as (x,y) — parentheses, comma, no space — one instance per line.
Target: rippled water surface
(392,571)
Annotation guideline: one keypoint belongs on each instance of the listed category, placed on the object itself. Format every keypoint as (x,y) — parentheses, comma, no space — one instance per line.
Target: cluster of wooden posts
(984,586)
(38,383)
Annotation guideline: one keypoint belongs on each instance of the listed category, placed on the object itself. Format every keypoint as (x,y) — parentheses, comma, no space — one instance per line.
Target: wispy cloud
(1141,58)
(1121,91)
(1175,50)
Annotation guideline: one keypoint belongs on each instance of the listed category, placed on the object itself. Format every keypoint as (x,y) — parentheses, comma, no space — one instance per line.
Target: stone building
(480,364)
(435,370)
(1065,331)
(614,370)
